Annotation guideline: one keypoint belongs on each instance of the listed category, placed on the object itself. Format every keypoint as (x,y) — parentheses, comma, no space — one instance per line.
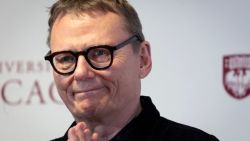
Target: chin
(84,111)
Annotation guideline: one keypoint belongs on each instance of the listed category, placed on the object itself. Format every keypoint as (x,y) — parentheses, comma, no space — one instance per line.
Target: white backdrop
(188,38)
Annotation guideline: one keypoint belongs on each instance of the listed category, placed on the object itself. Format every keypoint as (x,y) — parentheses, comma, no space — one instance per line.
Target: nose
(83,70)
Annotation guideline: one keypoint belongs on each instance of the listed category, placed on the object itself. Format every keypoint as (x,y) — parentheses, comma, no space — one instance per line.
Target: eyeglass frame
(49,56)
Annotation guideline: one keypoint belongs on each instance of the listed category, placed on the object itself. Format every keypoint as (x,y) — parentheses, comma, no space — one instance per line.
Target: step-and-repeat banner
(200,76)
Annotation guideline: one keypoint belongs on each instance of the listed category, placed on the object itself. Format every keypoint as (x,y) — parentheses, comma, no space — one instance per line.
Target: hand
(81,132)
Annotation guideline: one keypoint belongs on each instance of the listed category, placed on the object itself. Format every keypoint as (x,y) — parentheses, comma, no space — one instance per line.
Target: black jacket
(150,126)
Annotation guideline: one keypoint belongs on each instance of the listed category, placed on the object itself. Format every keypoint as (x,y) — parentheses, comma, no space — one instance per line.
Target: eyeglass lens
(97,57)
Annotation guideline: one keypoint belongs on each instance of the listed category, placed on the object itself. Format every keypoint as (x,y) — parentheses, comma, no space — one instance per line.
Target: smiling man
(99,56)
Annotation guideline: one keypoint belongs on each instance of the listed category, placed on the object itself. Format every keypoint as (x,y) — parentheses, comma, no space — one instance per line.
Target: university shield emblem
(236,75)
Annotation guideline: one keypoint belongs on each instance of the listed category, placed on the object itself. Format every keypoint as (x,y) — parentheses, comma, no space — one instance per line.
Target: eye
(64,58)
(64,61)
(99,55)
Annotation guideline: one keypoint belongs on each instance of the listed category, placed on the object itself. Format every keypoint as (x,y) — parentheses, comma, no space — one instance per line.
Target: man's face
(90,93)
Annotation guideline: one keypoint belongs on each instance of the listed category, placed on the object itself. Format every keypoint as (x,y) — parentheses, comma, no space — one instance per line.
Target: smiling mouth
(86,93)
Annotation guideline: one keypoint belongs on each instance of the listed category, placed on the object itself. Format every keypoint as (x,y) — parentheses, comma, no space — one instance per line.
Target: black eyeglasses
(98,57)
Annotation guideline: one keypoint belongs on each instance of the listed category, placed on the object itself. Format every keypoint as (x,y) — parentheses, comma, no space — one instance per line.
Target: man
(99,56)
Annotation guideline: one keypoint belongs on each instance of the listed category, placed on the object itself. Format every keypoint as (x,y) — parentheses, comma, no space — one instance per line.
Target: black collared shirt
(150,126)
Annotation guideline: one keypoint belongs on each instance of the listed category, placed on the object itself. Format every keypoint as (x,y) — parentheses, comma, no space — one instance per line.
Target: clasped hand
(81,132)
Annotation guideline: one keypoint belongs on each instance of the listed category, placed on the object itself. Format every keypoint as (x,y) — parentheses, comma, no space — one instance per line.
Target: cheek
(62,82)
(123,75)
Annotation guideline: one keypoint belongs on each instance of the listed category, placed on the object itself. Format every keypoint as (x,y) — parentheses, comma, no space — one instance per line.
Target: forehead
(87,29)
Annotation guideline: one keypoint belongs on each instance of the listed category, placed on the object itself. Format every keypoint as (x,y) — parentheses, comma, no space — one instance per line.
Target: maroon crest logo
(236,75)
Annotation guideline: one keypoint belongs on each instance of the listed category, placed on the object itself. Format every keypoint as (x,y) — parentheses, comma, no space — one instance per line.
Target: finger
(80,127)
(95,137)
(87,135)
(72,135)
(98,134)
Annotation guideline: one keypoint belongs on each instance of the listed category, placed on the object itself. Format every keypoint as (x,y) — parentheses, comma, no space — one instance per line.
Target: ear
(145,59)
